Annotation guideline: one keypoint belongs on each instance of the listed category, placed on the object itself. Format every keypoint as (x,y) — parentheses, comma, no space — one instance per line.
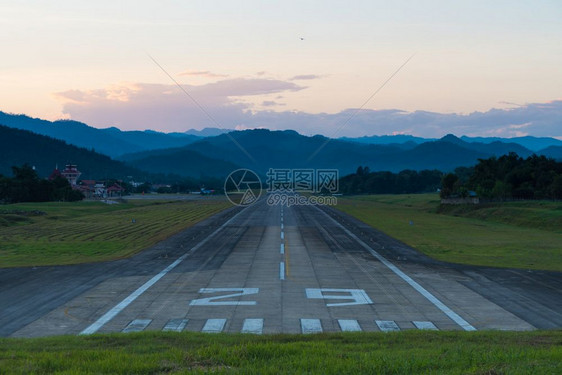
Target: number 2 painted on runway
(211,301)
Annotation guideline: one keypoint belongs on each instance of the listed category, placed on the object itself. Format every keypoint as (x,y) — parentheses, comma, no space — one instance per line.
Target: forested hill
(109,141)
(18,147)
(261,149)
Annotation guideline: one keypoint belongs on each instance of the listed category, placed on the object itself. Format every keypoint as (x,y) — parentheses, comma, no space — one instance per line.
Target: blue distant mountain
(532,143)
(208,132)
(529,142)
(389,139)
(261,149)
(109,141)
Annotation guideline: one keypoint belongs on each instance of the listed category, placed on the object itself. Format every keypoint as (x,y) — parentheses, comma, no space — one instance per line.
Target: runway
(276,269)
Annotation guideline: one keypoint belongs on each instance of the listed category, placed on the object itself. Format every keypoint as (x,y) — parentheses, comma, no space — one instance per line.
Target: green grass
(524,235)
(82,232)
(408,352)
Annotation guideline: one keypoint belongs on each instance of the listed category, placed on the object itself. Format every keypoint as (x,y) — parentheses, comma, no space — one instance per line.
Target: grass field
(524,235)
(407,352)
(80,232)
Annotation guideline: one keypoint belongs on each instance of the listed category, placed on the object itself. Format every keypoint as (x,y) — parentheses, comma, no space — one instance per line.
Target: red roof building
(71,173)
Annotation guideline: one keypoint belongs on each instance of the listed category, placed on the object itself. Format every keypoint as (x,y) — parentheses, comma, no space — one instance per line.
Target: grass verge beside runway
(38,234)
(408,352)
(525,235)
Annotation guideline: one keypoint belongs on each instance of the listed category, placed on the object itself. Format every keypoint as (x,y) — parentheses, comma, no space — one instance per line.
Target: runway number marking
(424,292)
(358,296)
(351,296)
(211,301)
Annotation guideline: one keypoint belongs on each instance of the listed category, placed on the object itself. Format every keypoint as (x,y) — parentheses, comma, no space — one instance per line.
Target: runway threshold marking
(425,325)
(214,326)
(387,325)
(175,325)
(424,292)
(254,326)
(349,325)
(137,325)
(311,326)
(94,327)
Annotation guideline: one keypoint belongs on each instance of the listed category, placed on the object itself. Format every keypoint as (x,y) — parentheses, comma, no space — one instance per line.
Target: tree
(501,190)
(448,184)
(144,188)
(26,186)
(4,181)
(556,187)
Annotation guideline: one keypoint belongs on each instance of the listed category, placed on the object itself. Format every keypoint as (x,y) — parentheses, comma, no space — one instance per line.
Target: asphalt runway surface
(273,269)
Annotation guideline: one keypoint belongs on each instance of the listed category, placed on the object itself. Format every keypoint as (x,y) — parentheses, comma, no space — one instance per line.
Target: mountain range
(215,152)
(19,147)
(110,141)
(261,149)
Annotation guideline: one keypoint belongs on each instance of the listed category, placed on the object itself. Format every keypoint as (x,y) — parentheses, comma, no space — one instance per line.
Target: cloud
(270,103)
(227,102)
(538,119)
(165,107)
(256,86)
(202,73)
(243,127)
(303,77)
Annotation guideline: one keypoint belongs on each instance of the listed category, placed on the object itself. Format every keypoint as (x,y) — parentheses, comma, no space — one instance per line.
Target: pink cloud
(270,103)
(203,73)
(303,77)
(157,106)
(167,108)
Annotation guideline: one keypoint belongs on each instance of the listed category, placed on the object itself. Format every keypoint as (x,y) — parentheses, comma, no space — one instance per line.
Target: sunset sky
(479,67)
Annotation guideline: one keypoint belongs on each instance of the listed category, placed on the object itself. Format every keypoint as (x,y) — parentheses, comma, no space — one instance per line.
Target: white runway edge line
(424,292)
(94,327)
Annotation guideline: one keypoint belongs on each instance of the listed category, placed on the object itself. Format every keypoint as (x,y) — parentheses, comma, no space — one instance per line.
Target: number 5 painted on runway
(209,301)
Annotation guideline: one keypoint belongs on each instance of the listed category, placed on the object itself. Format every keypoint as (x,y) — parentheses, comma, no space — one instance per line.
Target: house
(71,173)
(115,190)
(91,189)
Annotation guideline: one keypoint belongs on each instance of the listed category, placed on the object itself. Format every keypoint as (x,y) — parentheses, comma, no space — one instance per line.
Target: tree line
(363,181)
(26,186)
(507,177)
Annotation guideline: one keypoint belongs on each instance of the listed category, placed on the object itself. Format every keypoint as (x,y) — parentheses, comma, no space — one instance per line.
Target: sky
(337,68)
